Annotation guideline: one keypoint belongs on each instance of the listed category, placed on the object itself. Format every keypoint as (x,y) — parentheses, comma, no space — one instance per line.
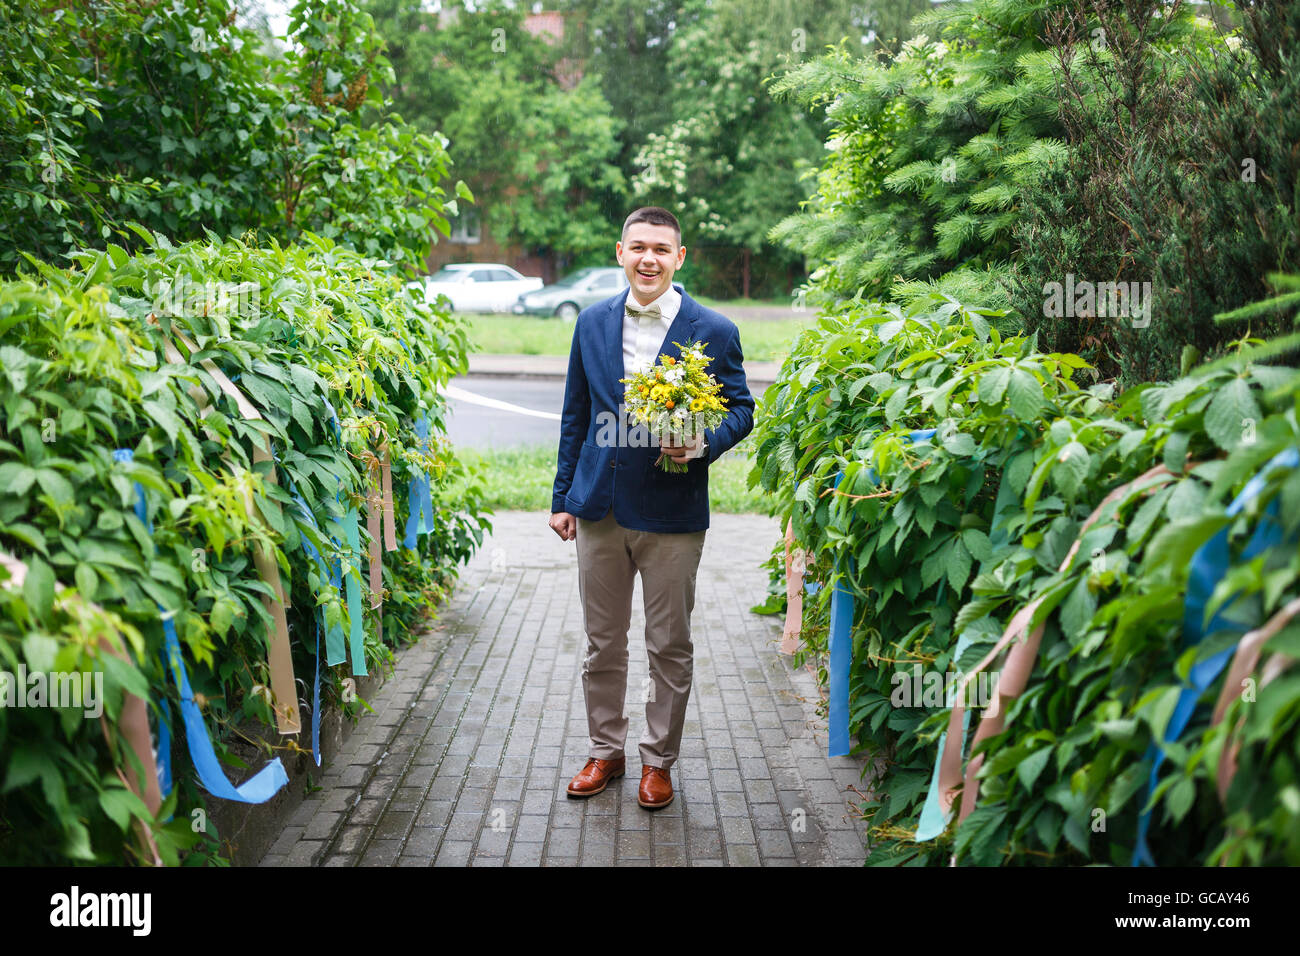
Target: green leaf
(38,588)
(26,764)
(1070,468)
(897,401)
(959,565)
(993,384)
(1018,471)
(978,544)
(1025,395)
(120,804)
(1187,500)
(1032,766)
(1077,610)
(16,478)
(959,444)
(1232,412)
(1179,799)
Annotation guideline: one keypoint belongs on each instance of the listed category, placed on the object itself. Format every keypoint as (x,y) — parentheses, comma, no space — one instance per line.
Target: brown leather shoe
(656,788)
(596,775)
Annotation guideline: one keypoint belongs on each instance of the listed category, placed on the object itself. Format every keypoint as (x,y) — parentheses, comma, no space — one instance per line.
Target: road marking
(456,392)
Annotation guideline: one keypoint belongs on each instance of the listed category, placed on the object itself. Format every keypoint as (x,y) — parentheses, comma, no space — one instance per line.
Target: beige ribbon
(279,660)
(1010,684)
(381,525)
(1243,664)
(390,520)
(133,724)
(793,595)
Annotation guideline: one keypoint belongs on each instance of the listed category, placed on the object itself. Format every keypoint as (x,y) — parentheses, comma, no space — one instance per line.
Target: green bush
(952,536)
(85,373)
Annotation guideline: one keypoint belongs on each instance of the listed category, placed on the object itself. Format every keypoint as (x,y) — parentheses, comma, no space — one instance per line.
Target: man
(628,515)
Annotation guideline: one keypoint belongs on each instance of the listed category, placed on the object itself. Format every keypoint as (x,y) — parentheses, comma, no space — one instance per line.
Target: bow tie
(638,311)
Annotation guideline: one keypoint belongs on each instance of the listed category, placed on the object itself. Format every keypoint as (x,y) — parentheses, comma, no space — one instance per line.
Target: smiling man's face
(649,255)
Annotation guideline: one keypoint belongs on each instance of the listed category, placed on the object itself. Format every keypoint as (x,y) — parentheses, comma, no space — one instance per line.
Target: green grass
(523,478)
(722,305)
(521,335)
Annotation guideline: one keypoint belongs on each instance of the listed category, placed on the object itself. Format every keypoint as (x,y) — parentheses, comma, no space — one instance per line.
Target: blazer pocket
(584,475)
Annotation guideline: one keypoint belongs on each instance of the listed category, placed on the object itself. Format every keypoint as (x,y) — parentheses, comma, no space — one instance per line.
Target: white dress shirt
(644,337)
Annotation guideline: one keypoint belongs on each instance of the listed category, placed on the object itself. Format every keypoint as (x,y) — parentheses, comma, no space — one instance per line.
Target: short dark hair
(655,216)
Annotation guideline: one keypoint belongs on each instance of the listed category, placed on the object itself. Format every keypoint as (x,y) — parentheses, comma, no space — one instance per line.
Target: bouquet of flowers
(676,398)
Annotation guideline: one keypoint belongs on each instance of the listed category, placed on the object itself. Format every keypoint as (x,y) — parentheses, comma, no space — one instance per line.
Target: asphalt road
(476,425)
(511,411)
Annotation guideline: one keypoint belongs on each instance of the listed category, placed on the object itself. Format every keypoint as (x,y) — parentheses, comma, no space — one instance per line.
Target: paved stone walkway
(479,730)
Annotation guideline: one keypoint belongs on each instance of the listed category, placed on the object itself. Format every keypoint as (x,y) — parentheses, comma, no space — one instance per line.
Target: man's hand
(565,525)
(683,452)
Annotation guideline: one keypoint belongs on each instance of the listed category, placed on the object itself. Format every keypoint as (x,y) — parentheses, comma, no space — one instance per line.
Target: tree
(731,160)
(1183,175)
(931,152)
(484,80)
(177,117)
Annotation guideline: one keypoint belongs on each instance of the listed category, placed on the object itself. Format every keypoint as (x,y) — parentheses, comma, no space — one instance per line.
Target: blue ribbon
(841,659)
(335,649)
(841,638)
(1209,565)
(330,575)
(258,789)
(420,496)
(356,637)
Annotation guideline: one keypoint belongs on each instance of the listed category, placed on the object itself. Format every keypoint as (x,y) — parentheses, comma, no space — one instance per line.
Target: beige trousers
(609,557)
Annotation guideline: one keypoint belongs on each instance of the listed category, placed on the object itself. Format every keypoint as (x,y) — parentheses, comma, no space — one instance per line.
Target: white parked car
(479,286)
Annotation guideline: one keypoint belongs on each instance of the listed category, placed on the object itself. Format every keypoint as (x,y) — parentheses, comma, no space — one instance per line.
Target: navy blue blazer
(595,473)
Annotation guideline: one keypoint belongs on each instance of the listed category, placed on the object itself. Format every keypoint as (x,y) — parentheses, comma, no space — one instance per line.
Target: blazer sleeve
(574,420)
(740,403)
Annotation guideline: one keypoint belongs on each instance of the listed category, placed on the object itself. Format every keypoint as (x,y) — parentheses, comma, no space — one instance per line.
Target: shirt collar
(670,302)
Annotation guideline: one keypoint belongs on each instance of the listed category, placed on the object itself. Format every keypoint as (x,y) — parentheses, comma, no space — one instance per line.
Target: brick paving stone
(483,721)
(634,844)
(286,840)
(525,854)
(563,842)
(531,829)
(742,855)
(423,842)
(304,853)
(774,843)
(434,813)
(454,853)
(381,853)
